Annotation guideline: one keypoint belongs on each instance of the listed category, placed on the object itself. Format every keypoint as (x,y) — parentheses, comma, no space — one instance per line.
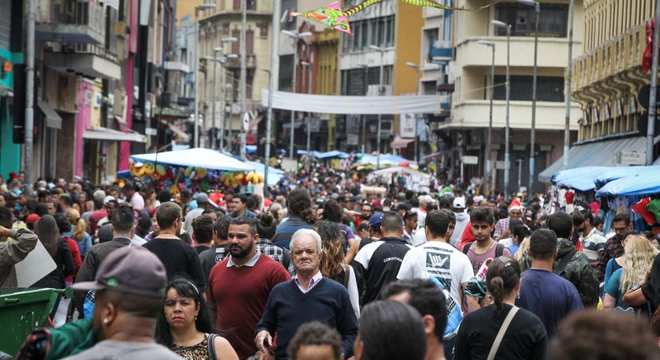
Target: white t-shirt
(436,259)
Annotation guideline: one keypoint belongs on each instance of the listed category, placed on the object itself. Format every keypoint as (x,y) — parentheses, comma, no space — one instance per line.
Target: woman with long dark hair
(522,335)
(49,235)
(184,326)
(332,261)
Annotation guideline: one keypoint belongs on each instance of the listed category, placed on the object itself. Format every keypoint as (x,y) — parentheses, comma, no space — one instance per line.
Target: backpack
(499,250)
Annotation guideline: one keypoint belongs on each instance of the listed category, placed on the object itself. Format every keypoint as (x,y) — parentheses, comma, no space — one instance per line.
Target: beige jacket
(12,250)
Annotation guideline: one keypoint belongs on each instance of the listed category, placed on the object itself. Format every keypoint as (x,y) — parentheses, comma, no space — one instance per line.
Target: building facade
(611,85)
(464,133)
(11,56)
(220,82)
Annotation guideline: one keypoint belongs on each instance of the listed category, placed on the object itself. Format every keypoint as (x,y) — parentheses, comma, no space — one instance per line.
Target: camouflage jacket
(575,267)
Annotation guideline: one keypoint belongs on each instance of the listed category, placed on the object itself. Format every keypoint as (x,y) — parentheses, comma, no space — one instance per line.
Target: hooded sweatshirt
(575,267)
(462,220)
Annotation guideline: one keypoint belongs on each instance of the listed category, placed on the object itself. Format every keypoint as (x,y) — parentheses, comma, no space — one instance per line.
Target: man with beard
(239,286)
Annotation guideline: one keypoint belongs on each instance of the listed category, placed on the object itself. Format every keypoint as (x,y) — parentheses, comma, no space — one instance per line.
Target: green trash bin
(22,311)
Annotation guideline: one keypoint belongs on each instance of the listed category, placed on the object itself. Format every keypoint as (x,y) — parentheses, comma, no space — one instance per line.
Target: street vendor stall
(195,169)
(411,179)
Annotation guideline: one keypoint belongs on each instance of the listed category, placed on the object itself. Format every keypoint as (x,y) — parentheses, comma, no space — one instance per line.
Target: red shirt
(240,295)
(75,254)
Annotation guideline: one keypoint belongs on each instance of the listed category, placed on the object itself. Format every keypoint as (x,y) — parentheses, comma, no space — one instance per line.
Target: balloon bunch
(238,179)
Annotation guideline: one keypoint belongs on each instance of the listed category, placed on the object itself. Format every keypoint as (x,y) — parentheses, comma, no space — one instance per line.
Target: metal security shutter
(5,23)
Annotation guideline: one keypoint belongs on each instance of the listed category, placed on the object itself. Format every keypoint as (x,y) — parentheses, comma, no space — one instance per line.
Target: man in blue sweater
(307,297)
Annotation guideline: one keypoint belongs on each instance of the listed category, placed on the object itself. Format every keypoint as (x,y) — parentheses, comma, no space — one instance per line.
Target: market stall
(411,179)
(195,169)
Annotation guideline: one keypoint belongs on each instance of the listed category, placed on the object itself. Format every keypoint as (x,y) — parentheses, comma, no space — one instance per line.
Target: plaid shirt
(282,256)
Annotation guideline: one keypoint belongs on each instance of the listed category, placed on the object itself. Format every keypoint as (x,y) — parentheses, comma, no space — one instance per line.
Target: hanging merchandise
(654,208)
(640,208)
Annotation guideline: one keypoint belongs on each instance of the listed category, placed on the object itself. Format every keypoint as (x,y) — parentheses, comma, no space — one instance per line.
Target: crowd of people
(323,270)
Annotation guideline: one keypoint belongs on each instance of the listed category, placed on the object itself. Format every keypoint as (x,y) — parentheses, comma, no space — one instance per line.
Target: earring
(106,321)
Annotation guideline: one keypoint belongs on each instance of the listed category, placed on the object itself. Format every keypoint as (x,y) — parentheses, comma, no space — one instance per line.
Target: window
(286,72)
(237,5)
(225,29)
(290,21)
(249,41)
(553,19)
(375,31)
(235,46)
(549,88)
(429,87)
(251,4)
(263,29)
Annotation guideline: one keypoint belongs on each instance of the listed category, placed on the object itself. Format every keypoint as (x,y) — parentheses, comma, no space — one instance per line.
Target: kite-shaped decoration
(334,17)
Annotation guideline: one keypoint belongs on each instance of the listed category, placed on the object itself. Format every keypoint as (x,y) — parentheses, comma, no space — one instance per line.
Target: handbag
(501,332)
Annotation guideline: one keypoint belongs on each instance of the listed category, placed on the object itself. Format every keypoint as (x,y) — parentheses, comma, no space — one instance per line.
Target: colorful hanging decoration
(334,17)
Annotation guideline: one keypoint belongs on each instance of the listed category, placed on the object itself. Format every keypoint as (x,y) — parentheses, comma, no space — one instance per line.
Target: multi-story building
(10,57)
(433,72)
(216,27)
(609,82)
(389,35)
(101,75)
(465,130)
(81,47)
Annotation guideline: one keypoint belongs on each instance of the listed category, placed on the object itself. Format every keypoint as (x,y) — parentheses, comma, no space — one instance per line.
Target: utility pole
(214,122)
(489,137)
(29,97)
(309,120)
(243,75)
(650,128)
(569,76)
(381,50)
(273,73)
(532,150)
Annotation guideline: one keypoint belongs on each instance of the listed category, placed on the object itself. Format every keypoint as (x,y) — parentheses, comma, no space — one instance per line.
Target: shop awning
(601,153)
(53,119)
(105,134)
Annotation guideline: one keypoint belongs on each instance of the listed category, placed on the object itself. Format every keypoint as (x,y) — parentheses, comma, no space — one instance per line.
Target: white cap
(459,203)
(108,199)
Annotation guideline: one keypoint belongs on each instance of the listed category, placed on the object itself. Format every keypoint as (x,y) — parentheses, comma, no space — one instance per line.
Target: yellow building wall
(407,43)
(186,8)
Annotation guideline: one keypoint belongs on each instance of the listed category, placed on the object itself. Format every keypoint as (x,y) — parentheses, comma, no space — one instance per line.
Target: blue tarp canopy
(642,184)
(385,160)
(325,155)
(616,173)
(581,179)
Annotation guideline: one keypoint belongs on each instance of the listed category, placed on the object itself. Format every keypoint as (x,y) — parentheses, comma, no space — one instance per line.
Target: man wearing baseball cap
(129,289)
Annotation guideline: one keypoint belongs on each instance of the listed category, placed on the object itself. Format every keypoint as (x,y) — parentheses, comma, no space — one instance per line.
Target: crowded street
(329,180)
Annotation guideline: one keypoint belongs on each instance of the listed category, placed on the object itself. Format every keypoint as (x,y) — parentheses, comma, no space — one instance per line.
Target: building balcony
(552,52)
(87,60)
(69,21)
(621,54)
(475,114)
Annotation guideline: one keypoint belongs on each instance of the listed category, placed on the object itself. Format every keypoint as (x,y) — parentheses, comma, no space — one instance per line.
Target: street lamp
(296,36)
(381,50)
(507,128)
(198,8)
(532,135)
(418,71)
(489,138)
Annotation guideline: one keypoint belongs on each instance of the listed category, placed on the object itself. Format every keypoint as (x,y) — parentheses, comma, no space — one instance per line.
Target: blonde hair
(523,250)
(638,259)
(80,225)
